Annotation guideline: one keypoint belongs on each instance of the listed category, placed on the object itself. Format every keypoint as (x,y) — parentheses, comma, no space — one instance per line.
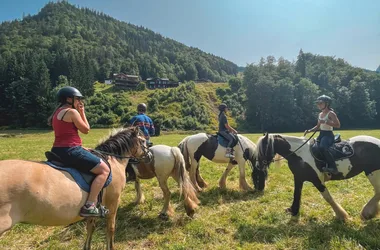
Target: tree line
(280,95)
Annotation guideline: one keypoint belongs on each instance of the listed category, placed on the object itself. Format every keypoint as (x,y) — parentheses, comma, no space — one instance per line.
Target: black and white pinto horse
(195,146)
(305,167)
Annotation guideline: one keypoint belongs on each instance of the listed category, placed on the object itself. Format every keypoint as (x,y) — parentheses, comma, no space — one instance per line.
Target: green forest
(65,45)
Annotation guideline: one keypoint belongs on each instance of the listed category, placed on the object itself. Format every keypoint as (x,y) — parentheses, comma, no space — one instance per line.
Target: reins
(297,148)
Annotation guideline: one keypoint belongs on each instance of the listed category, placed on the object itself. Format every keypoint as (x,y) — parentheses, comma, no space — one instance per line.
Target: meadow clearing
(226,219)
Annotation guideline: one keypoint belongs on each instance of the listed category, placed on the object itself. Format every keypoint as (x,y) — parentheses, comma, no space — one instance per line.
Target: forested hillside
(63,44)
(281,95)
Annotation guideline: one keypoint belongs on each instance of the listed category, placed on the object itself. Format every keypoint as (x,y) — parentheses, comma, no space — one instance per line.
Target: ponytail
(50,119)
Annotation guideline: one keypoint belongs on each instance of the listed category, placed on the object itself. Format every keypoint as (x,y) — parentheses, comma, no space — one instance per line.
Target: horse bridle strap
(297,148)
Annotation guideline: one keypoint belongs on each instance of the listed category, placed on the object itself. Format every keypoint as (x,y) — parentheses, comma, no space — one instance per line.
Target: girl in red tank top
(66,120)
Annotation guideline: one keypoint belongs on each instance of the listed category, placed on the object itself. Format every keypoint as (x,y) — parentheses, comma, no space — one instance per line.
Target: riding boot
(330,162)
(131,173)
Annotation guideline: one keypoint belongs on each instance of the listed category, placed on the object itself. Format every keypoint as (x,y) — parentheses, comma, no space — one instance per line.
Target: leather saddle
(222,141)
(340,150)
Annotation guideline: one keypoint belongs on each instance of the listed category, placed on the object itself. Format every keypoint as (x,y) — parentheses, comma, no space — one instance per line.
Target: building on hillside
(160,83)
(126,81)
(108,81)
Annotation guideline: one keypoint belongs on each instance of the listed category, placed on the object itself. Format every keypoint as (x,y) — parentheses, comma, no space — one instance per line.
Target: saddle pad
(339,151)
(83,180)
(222,141)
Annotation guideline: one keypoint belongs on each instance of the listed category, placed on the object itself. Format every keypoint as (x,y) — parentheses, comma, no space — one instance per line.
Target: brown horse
(35,193)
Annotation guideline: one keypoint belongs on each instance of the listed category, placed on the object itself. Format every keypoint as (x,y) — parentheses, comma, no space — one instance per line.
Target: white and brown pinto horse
(167,161)
(195,146)
(304,167)
(35,193)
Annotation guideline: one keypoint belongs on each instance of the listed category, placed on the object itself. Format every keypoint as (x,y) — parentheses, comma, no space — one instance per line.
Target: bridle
(265,162)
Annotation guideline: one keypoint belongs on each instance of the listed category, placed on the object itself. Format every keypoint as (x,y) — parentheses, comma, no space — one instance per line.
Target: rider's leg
(230,139)
(325,143)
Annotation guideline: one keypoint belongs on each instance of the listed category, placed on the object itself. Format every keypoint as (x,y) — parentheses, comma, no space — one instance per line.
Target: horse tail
(185,185)
(185,152)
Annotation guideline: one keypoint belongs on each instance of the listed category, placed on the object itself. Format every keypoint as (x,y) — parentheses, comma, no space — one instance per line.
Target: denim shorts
(77,157)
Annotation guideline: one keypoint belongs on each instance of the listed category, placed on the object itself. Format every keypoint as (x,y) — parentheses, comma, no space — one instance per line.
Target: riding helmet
(141,107)
(222,107)
(67,92)
(324,98)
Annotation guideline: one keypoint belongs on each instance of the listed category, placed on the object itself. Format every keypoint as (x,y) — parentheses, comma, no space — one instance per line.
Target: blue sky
(245,30)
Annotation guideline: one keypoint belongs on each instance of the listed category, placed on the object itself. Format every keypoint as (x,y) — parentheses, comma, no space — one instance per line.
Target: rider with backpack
(327,120)
(67,119)
(226,130)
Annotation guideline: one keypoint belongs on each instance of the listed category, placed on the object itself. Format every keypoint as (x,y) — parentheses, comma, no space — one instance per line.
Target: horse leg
(193,170)
(140,198)
(340,213)
(295,208)
(201,182)
(371,209)
(90,230)
(242,181)
(167,210)
(111,221)
(222,181)
(7,221)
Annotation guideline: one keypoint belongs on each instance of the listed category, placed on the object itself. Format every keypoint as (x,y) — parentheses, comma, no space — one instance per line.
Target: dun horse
(35,193)
(167,161)
(358,154)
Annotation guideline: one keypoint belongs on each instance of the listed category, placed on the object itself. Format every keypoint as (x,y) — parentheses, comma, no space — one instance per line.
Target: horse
(195,146)
(35,193)
(167,161)
(358,154)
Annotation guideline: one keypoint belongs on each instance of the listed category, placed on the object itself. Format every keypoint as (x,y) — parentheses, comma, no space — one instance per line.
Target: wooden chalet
(126,81)
(160,83)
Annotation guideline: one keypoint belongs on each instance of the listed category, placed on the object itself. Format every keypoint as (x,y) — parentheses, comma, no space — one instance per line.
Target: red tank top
(66,134)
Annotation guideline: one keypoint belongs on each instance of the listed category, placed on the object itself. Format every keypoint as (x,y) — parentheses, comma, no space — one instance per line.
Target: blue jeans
(326,139)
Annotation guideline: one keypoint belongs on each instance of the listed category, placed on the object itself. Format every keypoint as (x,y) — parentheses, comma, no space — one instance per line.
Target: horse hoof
(290,211)
(163,216)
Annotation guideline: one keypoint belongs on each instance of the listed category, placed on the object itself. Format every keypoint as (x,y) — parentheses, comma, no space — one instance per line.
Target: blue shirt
(144,123)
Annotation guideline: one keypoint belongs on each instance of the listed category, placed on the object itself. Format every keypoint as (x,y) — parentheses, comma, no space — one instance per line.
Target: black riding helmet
(141,107)
(324,98)
(68,92)
(222,107)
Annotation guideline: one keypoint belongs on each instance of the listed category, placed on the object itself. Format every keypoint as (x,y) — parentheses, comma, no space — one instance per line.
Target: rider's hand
(80,107)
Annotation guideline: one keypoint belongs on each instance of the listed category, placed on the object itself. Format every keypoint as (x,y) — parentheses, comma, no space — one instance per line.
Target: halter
(303,144)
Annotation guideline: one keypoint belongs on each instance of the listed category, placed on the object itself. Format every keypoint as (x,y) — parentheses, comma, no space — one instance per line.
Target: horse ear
(266,135)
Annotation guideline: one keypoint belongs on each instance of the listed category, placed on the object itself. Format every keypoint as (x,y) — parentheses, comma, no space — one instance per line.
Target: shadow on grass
(216,196)
(315,235)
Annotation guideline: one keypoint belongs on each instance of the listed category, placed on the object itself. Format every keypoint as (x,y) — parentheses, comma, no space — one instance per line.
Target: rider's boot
(331,165)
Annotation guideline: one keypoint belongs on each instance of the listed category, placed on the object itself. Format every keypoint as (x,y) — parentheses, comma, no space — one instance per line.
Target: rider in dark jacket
(225,129)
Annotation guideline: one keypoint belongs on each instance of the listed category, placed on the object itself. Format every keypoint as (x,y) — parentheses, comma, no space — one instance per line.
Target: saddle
(84,180)
(222,141)
(340,150)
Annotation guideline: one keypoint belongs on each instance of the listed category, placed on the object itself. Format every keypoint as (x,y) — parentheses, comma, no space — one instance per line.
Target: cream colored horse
(167,161)
(35,193)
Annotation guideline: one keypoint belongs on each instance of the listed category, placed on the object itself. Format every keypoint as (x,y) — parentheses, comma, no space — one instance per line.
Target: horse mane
(262,151)
(119,142)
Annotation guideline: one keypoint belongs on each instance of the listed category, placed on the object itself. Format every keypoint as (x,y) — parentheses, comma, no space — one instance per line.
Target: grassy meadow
(226,219)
